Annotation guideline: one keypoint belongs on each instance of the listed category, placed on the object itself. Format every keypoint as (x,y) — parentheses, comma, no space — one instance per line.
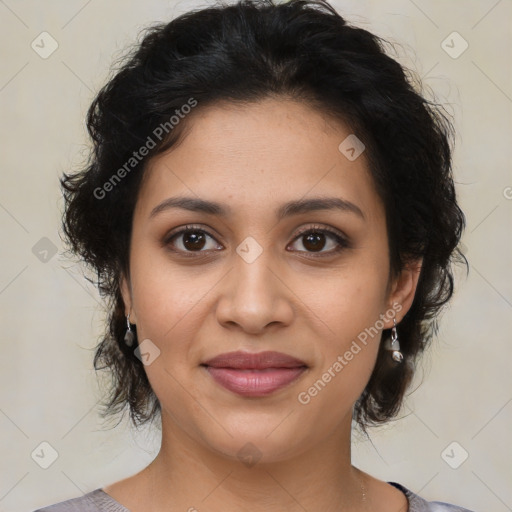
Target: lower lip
(254,382)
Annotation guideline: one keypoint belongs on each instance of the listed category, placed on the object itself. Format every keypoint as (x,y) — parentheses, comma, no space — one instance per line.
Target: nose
(254,297)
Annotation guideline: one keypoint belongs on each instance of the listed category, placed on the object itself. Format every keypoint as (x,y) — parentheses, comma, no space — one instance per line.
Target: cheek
(165,296)
(350,308)
(348,344)
(351,300)
(170,308)
(173,306)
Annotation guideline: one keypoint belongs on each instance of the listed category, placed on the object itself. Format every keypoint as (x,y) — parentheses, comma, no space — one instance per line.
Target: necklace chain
(363,490)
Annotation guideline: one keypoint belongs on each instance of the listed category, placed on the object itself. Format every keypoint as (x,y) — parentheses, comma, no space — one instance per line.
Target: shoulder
(418,504)
(94,501)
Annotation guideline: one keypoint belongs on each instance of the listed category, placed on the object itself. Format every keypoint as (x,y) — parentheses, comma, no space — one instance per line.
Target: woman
(270,209)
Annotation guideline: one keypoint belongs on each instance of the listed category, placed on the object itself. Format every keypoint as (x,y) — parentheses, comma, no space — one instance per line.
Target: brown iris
(314,241)
(194,240)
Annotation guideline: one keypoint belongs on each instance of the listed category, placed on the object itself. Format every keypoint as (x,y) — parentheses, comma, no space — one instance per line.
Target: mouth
(254,374)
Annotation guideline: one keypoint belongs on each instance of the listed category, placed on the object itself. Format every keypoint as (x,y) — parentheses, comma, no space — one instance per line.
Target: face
(269,267)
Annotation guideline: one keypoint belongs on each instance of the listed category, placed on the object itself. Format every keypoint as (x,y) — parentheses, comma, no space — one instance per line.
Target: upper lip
(257,361)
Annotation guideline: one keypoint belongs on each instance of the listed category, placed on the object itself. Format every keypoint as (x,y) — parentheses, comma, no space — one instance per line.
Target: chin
(252,445)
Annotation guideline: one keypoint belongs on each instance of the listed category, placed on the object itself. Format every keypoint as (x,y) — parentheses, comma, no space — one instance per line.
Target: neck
(187,475)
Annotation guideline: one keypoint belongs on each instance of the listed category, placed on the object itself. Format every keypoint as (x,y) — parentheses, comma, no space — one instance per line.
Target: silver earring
(393,345)
(129,337)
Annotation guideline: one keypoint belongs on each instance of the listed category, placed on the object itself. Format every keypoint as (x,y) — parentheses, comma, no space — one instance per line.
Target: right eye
(190,239)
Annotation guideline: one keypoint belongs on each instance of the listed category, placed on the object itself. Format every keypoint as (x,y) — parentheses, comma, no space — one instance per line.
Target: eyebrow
(287,209)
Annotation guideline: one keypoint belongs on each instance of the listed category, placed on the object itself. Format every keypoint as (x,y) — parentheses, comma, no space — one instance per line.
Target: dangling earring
(393,345)
(129,337)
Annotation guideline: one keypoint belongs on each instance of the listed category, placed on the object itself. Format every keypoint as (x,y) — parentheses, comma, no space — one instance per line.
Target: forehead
(257,153)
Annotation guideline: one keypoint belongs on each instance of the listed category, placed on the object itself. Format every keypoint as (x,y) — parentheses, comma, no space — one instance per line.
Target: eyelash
(342,241)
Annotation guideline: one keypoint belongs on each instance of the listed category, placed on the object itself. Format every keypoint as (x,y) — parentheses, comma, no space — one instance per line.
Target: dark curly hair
(254,49)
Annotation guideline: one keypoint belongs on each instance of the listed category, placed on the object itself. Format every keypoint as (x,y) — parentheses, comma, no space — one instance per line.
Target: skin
(254,158)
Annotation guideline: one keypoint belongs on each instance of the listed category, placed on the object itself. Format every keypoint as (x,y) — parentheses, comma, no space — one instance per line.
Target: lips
(254,374)
(254,361)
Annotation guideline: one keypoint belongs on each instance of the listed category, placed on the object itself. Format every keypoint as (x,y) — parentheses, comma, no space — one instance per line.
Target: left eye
(316,240)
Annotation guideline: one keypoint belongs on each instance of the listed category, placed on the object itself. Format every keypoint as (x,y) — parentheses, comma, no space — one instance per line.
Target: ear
(126,293)
(403,289)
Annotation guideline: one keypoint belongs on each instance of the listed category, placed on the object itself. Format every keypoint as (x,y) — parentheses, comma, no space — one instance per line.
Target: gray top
(100,501)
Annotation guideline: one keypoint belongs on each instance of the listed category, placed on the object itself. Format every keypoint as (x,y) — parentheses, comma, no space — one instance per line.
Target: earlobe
(126,294)
(404,288)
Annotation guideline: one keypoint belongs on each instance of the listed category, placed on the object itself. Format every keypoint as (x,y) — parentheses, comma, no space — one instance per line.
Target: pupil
(194,240)
(315,241)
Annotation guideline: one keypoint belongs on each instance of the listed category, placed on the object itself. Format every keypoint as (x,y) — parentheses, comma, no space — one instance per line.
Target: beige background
(50,316)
